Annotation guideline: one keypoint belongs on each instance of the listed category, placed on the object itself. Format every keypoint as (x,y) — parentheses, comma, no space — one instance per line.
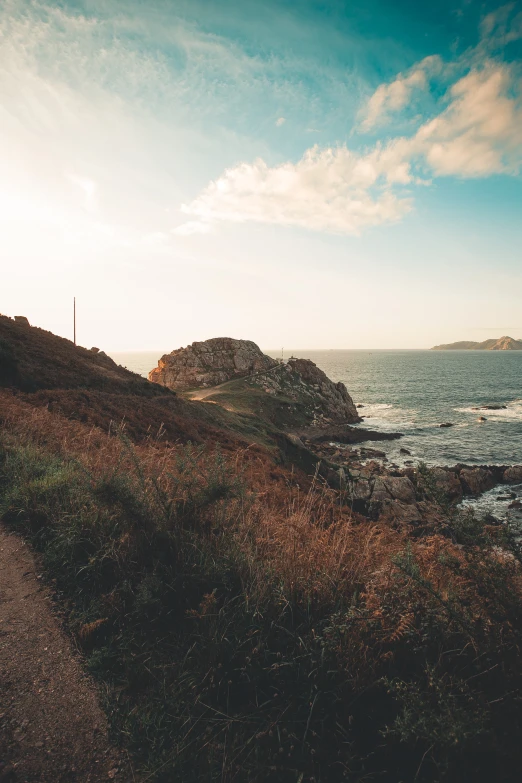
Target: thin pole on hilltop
(74,318)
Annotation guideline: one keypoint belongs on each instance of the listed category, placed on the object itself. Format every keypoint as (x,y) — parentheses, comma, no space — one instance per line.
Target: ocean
(413,392)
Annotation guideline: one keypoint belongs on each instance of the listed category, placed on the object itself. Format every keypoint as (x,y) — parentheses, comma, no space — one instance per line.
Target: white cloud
(88,187)
(192,227)
(280,121)
(332,189)
(501,27)
(393,97)
(478,133)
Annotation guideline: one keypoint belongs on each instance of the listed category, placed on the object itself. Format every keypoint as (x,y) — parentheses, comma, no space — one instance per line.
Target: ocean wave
(376,406)
(512,411)
(388,418)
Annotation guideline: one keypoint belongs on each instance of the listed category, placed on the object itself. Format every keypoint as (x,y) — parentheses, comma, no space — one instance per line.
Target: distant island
(502,344)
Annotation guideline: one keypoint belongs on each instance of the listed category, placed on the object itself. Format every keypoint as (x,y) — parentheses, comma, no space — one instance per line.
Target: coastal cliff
(210,363)
(502,344)
(236,374)
(300,382)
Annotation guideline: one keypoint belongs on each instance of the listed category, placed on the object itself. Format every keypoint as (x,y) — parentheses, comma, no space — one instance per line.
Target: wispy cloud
(192,227)
(333,190)
(390,98)
(476,132)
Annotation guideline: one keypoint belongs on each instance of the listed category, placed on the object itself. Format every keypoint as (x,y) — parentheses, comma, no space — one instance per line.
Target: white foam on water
(487,503)
(512,411)
(387,416)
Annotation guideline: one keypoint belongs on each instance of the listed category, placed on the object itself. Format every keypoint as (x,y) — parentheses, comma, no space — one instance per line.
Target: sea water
(414,392)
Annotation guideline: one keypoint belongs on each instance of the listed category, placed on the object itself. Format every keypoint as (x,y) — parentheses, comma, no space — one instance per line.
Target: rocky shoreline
(313,416)
(378,488)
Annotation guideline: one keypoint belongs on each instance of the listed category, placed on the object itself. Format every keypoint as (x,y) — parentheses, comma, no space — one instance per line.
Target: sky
(308,174)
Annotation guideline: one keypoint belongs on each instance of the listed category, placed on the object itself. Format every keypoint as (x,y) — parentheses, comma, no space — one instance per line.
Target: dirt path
(52,728)
(201,394)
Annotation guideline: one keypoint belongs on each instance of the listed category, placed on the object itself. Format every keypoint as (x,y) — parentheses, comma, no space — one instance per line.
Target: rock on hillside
(323,402)
(210,363)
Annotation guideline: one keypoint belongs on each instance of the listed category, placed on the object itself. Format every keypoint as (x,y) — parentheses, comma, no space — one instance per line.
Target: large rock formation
(300,393)
(210,363)
(320,401)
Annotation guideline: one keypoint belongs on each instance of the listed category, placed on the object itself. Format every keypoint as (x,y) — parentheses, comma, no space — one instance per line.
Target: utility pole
(74,318)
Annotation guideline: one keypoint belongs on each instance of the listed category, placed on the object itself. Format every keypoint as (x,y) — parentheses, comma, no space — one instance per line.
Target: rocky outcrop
(475,481)
(209,363)
(393,488)
(448,483)
(513,475)
(391,498)
(322,402)
(340,434)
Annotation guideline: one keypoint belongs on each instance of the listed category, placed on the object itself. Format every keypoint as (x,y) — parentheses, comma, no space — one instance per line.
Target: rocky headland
(238,374)
(209,363)
(500,344)
(310,418)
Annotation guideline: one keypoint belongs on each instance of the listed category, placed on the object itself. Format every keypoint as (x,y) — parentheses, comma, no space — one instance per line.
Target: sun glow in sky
(295,173)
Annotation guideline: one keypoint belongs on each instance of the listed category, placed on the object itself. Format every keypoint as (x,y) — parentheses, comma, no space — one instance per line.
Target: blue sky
(306,174)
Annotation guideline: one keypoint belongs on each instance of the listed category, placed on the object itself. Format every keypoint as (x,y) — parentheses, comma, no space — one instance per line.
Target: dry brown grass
(294,592)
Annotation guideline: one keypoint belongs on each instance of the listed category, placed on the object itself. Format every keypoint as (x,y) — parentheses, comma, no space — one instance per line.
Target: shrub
(248,631)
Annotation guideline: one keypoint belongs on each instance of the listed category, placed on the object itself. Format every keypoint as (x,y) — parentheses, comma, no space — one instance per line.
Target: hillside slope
(32,359)
(51,372)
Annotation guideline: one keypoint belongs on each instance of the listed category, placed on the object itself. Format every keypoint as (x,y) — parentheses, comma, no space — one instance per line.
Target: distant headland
(502,344)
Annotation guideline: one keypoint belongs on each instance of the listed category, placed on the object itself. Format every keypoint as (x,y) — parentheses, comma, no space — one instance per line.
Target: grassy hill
(244,624)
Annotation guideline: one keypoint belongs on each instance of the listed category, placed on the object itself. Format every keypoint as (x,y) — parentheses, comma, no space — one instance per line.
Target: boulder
(393,487)
(405,451)
(446,424)
(372,453)
(400,513)
(513,475)
(318,403)
(491,519)
(295,440)
(331,399)
(361,490)
(21,319)
(476,480)
(210,363)
(447,482)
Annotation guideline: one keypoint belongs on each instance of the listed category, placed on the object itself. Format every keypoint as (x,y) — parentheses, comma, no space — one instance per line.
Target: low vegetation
(247,626)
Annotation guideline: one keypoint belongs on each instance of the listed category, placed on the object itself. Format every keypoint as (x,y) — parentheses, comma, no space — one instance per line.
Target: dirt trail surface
(202,394)
(52,728)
